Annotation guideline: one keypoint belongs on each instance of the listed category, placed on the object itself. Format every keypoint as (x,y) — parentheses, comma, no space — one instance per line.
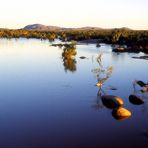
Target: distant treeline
(111,36)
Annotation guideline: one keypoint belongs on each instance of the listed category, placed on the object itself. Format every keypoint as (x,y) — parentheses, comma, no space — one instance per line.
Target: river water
(47,102)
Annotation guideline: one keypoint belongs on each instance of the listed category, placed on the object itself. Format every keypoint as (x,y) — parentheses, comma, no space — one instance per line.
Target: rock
(111,101)
(98,45)
(121,113)
(135,100)
(83,57)
(112,88)
(119,100)
(119,49)
(132,49)
(141,57)
(141,83)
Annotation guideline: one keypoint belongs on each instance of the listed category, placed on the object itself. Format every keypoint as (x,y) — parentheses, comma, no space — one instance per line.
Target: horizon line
(86,26)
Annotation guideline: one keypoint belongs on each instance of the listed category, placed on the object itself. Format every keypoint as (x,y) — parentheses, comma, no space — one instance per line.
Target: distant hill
(41,27)
(50,28)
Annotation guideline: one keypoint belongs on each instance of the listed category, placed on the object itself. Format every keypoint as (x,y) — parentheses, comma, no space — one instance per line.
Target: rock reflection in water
(139,97)
(136,100)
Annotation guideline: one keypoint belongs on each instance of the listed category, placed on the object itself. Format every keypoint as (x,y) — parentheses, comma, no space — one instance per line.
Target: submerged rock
(121,113)
(135,100)
(112,101)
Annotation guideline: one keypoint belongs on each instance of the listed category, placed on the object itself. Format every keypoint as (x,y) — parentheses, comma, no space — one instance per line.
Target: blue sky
(77,13)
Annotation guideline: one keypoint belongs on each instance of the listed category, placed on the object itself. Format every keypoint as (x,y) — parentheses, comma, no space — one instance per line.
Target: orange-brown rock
(121,113)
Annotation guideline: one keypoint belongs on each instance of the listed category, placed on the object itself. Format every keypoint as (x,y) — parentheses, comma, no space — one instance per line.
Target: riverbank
(131,48)
(136,41)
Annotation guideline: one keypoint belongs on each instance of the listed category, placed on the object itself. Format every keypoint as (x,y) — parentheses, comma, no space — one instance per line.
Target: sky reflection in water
(44,105)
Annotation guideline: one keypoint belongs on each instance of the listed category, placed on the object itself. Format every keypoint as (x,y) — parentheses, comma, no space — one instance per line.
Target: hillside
(41,27)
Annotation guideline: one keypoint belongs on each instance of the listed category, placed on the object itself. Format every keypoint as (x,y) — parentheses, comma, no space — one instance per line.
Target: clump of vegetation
(102,74)
(134,39)
(69,53)
(21,33)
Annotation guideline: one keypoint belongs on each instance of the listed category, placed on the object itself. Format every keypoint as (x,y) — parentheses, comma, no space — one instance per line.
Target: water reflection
(146,133)
(102,75)
(46,114)
(139,96)
(136,100)
(112,102)
(68,56)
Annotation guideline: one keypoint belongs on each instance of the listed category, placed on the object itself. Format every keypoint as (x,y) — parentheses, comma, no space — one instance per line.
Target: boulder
(135,100)
(121,113)
(111,101)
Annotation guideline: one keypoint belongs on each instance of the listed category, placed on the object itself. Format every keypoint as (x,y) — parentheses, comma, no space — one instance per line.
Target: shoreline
(135,41)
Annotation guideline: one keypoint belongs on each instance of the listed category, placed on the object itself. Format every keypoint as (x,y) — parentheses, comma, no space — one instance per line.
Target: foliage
(102,74)
(112,36)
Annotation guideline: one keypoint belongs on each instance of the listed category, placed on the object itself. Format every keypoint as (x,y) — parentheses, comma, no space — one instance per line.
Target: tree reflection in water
(68,56)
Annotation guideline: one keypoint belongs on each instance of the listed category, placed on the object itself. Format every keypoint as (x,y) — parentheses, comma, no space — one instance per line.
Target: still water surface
(45,103)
